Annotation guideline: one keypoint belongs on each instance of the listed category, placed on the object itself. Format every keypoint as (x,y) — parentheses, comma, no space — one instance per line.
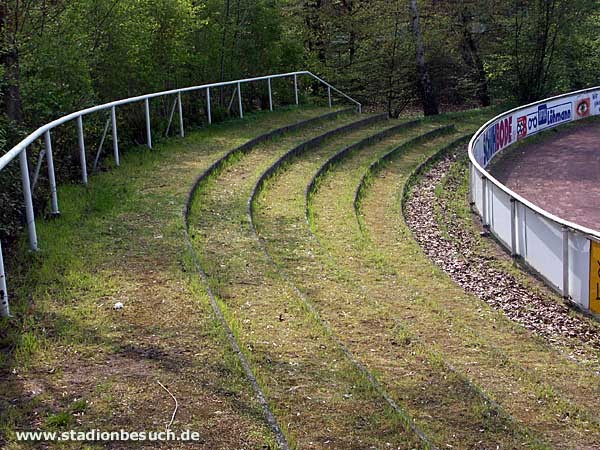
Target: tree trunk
(539,30)
(9,58)
(472,59)
(12,92)
(392,65)
(428,97)
(223,41)
(353,35)
(315,41)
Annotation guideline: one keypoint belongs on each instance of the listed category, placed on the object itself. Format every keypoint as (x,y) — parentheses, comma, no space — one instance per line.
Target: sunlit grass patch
(70,357)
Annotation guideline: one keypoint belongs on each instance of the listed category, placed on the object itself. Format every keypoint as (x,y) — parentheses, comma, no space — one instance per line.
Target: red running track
(560,173)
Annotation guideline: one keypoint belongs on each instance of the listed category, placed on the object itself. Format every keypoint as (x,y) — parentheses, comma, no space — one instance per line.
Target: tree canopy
(58,56)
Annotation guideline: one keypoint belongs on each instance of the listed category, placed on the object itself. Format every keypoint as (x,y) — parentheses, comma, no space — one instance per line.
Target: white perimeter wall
(557,249)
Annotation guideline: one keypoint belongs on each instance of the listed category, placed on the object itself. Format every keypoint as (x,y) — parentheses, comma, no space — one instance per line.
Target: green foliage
(72,55)
(59,420)
(62,56)
(537,47)
(523,50)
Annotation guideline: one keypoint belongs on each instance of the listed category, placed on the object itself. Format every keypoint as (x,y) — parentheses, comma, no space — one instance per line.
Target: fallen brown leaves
(459,254)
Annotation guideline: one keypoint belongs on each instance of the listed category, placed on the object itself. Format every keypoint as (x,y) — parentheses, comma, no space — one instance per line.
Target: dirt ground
(560,173)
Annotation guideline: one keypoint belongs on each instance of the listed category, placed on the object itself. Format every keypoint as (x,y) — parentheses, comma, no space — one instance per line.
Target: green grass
(67,353)
(312,388)
(502,354)
(373,282)
(59,420)
(338,287)
(460,371)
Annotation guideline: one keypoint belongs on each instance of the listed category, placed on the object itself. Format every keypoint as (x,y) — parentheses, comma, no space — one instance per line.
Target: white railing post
(513,228)
(484,202)
(84,175)
(208,105)
(296,87)
(270,95)
(51,175)
(148,129)
(4,309)
(239,89)
(180,110)
(113,116)
(329,95)
(28,200)
(171,117)
(565,258)
(471,186)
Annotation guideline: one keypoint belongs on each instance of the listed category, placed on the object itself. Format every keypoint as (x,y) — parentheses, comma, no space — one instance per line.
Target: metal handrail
(20,150)
(14,152)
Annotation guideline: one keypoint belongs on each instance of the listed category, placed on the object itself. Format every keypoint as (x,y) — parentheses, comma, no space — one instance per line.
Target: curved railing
(20,150)
(566,255)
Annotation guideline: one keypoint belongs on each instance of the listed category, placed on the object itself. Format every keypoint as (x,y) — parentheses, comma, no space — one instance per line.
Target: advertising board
(540,117)
(540,237)
(595,277)
(497,137)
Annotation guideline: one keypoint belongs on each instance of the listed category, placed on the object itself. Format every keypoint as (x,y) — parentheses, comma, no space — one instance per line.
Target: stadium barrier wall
(566,255)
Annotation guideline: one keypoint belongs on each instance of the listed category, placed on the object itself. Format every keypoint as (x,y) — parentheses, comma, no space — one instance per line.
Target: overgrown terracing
(305,315)
(374,287)
(318,396)
(71,361)
(538,386)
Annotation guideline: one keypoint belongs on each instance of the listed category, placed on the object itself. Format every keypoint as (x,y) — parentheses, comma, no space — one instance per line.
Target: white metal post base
(51,176)
(28,200)
(4,308)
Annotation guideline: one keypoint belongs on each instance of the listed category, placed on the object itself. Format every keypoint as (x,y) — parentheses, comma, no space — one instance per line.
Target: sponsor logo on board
(496,138)
(560,113)
(546,117)
(522,127)
(583,108)
(542,115)
(595,103)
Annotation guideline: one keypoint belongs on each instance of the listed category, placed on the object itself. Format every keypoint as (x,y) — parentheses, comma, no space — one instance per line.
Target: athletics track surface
(560,173)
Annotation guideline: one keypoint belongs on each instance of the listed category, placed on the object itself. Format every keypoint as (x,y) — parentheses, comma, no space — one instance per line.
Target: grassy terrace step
(380,163)
(279,167)
(361,317)
(78,364)
(212,171)
(500,357)
(317,395)
(345,152)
